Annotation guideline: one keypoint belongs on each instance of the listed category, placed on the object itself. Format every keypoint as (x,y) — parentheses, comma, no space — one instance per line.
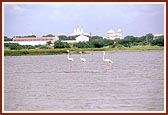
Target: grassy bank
(8,52)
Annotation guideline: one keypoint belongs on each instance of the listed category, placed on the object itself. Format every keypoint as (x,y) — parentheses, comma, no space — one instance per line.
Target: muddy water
(134,82)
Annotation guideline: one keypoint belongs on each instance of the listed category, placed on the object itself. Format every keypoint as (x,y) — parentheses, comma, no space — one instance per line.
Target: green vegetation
(16,46)
(95,43)
(63,37)
(159,41)
(25,36)
(59,44)
(7,39)
(8,52)
(49,35)
(33,52)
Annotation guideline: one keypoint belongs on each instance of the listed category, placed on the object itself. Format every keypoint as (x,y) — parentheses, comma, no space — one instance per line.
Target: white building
(79,31)
(111,34)
(82,38)
(34,40)
(157,35)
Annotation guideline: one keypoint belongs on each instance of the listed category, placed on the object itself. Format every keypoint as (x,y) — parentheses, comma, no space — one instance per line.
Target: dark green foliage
(129,41)
(7,39)
(43,47)
(13,46)
(158,41)
(34,52)
(37,46)
(49,43)
(49,35)
(71,37)
(95,43)
(62,37)
(83,45)
(27,47)
(108,42)
(96,37)
(16,46)
(149,38)
(25,36)
(99,42)
(59,44)
(125,42)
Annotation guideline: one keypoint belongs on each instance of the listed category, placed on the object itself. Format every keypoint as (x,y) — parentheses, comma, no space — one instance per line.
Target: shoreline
(29,52)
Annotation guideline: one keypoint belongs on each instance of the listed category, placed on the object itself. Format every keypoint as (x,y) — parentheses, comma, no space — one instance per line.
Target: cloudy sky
(42,19)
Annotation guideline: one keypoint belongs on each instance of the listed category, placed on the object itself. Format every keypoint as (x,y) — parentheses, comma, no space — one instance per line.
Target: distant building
(34,40)
(111,34)
(157,35)
(82,38)
(69,41)
(79,31)
(80,35)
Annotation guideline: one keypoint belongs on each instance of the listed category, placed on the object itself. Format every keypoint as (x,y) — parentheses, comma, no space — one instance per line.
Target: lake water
(134,82)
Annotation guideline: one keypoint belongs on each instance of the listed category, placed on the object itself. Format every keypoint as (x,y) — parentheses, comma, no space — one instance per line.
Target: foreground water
(135,82)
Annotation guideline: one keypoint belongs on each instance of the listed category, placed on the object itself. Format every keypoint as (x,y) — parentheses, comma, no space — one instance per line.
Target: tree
(108,42)
(49,43)
(27,47)
(141,40)
(97,43)
(44,47)
(59,44)
(13,46)
(132,40)
(62,37)
(95,37)
(24,36)
(7,39)
(125,42)
(158,41)
(49,35)
(83,45)
(149,38)
(71,37)
(16,46)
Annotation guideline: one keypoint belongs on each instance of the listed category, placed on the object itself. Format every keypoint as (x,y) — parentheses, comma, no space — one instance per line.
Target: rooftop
(35,38)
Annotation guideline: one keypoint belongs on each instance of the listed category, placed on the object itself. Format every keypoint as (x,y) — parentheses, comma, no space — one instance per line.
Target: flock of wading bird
(84,60)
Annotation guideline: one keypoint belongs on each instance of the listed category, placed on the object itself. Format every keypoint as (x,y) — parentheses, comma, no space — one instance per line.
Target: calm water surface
(135,82)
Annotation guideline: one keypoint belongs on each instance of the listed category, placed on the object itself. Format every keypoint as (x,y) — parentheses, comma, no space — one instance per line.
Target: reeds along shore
(8,52)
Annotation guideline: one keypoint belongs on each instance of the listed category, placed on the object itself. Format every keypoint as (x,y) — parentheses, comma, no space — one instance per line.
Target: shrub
(13,46)
(44,47)
(83,45)
(59,44)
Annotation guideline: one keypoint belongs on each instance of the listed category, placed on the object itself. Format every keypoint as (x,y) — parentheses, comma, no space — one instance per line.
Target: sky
(97,19)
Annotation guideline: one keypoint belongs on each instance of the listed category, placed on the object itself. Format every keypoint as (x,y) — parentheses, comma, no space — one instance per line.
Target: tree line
(94,42)
(28,36)
(128,41)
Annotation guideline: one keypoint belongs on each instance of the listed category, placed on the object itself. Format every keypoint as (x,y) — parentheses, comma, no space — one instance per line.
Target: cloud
(63,17)
(14,9)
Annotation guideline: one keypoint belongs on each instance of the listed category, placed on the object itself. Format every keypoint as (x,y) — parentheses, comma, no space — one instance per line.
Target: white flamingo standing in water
(82,59)
(70,60)
(107,60)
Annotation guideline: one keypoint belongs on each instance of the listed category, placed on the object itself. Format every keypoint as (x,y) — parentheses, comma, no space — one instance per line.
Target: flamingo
(70,60)
(82,59)
(107,60)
